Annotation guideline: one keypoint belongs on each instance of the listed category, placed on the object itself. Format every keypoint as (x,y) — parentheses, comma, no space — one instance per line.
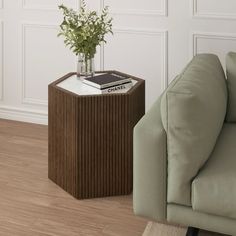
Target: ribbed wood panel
(62,137)
(91,140)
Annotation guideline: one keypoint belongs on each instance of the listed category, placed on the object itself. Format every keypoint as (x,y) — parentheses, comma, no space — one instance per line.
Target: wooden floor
(32,205)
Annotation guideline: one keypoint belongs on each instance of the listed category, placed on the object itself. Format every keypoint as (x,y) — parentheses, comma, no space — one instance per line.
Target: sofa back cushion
(193,110)
(231,83)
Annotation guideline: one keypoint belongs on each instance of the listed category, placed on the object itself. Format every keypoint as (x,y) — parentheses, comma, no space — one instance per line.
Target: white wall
(153,39)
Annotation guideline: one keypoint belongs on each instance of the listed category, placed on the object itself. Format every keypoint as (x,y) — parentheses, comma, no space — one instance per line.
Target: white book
(75,85)
(122,88)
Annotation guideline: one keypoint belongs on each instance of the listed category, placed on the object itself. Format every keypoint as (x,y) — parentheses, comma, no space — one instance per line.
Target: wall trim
(164,35)
(44,7)
(216,15)
(25,99)
(102,57)
(162,12)
(133,12)
(207,35)
(3,59)
(25,115)
(1,4)
(102,46)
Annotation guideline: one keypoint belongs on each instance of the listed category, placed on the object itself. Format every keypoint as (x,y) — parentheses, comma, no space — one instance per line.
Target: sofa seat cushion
(214,188)
(193,110)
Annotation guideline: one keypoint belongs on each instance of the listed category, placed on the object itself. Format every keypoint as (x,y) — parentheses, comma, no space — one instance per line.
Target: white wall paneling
(44,59)
(216,43)
(134,7)
(1,60)
(142,53)
(48,4)
(153,39)
(211,9)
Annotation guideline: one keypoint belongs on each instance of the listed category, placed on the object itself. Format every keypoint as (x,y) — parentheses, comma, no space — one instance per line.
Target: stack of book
(109,83)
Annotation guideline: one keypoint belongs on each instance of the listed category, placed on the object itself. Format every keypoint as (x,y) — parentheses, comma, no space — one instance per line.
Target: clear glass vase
(85,66)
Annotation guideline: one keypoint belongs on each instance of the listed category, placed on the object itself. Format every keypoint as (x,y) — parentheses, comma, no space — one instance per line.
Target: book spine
(118,89)
(115,83)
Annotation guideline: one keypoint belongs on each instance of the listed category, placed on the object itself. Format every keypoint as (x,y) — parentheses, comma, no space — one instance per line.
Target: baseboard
(25,115)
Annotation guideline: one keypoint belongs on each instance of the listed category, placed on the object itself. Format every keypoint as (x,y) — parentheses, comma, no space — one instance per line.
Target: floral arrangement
(84,30)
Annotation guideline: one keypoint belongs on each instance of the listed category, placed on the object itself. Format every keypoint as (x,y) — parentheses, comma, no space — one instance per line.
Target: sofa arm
(149,194)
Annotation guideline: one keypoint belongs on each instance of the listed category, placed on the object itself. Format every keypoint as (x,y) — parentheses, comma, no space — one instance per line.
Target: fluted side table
(91,137)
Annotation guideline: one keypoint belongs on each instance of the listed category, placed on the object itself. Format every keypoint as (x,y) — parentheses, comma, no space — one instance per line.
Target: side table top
(75,85)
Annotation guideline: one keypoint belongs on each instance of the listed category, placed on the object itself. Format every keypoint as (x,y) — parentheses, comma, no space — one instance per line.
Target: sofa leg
(192,231)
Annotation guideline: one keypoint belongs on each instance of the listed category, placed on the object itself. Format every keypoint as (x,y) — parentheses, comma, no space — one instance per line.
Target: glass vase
(85,66)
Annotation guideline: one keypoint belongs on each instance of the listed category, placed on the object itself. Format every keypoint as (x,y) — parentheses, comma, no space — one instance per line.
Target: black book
(106,80)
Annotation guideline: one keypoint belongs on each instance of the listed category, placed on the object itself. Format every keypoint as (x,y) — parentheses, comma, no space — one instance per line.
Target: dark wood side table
(91,137)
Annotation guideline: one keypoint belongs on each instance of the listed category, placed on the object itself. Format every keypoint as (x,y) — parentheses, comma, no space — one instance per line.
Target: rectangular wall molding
(195,36)
(142,12)
(164,41)
(1,4)
(33,59)
(44,6)
(25,99)
(217,14)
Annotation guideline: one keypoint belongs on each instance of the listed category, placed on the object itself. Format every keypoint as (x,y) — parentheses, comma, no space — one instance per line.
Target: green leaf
(84,30)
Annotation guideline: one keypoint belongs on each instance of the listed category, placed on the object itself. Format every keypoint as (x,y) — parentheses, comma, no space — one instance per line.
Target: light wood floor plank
(32,205)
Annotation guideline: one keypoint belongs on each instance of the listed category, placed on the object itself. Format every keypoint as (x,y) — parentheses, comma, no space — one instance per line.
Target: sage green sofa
(185,149)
